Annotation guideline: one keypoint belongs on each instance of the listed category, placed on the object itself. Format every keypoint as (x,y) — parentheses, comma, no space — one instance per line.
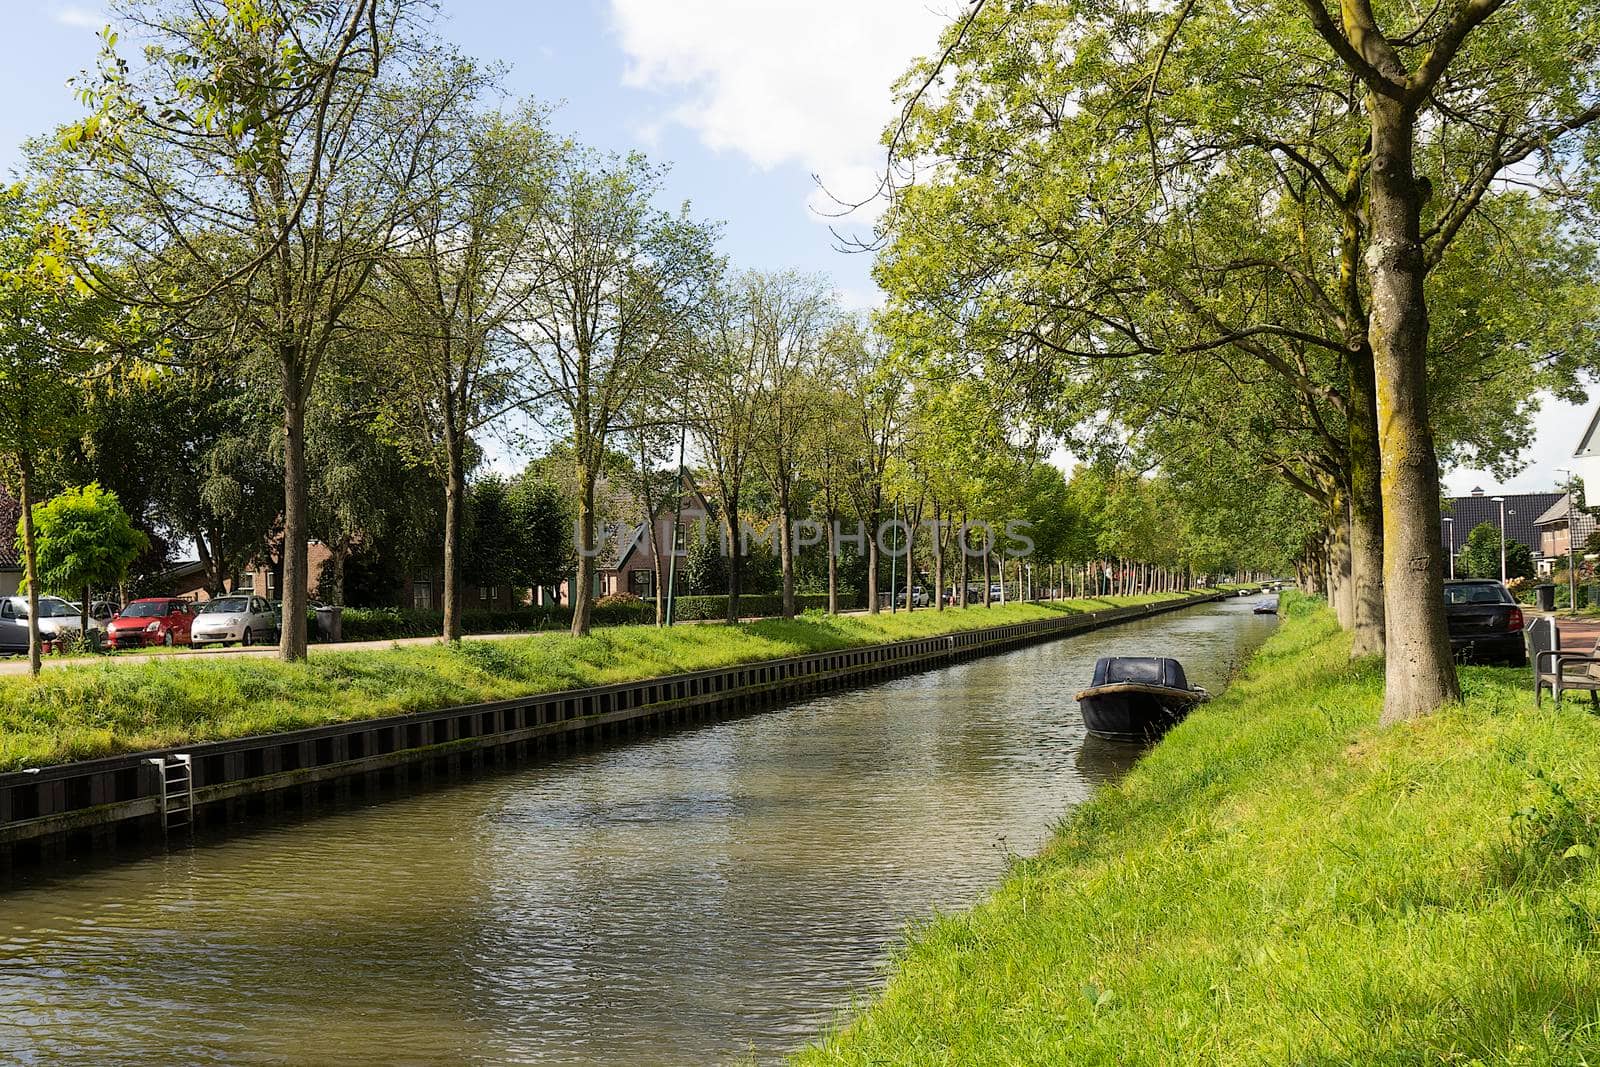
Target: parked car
(13,627)
(229,620)
(151,621)
(919,598)
(102,612)
(57,616)
(1485,621)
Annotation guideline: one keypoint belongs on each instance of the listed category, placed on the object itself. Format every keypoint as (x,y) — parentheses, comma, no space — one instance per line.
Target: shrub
(691,608)
(390,624)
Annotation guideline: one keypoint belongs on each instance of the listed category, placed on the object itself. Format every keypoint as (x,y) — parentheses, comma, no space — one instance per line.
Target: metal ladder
(177,790)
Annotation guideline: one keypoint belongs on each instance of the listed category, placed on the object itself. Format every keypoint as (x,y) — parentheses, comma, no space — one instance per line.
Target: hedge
(691,608)
(390,624)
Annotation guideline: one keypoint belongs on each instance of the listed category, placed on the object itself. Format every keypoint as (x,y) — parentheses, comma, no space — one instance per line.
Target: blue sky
(745,98)
(690,86)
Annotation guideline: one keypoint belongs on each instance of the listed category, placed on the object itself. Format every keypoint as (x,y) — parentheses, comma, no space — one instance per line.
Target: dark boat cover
(1143,670)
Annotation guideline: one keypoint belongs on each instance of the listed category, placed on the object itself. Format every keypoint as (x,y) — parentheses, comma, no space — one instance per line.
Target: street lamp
(1502,502)
(1450,528)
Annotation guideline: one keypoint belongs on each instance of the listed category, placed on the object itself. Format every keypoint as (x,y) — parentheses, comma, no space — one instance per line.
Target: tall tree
(53,333)
(723,406)
(796,312)
(452,296)
(620,282)
(1485,93)
(254,167)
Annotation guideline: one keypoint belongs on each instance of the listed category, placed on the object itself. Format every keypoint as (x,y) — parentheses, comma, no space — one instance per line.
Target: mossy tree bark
(1420,674)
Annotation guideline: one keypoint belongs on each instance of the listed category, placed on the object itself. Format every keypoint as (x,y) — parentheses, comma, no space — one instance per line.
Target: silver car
(236,619)
(57,616)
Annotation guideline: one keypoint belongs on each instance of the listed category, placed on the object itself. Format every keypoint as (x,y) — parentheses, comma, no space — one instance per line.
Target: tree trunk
(583,581)
(786,551)
(1420,674)
(455,491)
(872,570)
(966,562)
(938,559)
(1340,592)
(30,557)
(730,522)
(1366,509)
(292,643)
(833,564)
(909,542)
(659,579)
(988,587)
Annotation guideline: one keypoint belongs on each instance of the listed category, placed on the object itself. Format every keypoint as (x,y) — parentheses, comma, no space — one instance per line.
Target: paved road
(19,664)
(1579,635)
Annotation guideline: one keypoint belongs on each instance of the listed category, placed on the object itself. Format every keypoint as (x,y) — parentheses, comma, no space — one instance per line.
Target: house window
(639,583)
(485,593)
(272,586)
(245,583)
(422,595)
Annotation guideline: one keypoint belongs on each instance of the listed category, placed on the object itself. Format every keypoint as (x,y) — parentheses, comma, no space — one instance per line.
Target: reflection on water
(687,899)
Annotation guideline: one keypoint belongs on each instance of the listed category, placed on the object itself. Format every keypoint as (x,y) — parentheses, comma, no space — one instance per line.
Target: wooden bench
(1553,668)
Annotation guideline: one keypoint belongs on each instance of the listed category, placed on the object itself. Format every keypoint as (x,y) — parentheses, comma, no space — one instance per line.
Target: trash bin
(1546,595)
(330,623)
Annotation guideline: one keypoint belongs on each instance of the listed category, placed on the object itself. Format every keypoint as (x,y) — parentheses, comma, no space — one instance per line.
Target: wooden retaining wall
(94,804)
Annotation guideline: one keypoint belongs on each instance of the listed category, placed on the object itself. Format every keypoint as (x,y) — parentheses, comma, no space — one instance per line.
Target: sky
(750,101)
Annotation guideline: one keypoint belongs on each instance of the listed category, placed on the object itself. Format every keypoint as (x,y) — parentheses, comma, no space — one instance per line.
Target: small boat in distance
(1137,698)
(1267,607)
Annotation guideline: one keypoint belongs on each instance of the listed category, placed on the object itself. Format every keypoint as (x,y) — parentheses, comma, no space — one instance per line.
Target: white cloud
(783,81)
(83,18)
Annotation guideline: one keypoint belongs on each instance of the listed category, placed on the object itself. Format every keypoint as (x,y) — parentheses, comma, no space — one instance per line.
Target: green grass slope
(1282,882)
(82,712)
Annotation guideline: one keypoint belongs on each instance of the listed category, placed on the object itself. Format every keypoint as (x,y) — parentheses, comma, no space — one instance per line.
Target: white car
(235,619)
(57,616)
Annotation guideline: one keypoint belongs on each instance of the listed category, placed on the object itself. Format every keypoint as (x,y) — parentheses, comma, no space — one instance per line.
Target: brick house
(10,557)
(629,562)
(1555,536)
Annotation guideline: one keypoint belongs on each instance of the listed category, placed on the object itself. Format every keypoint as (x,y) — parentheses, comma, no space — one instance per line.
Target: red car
(151,621)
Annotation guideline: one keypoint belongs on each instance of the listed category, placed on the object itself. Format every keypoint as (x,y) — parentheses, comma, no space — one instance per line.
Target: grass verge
(1282,882)
(78,712)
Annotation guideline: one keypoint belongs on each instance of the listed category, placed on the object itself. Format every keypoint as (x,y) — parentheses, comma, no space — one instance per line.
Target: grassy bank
(81,712)
(1281,882)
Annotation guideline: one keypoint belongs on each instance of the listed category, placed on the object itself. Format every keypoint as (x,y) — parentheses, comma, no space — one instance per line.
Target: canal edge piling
(50,812)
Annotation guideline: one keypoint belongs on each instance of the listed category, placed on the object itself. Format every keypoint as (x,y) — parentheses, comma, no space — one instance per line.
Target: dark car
(1485,622)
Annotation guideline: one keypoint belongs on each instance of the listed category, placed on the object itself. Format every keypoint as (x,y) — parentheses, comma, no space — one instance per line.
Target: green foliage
(385,624)
(753,605)
(1480,556)
(84,540)
(1281,881)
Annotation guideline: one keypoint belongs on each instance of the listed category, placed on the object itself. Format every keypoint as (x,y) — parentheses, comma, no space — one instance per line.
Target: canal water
(713,894)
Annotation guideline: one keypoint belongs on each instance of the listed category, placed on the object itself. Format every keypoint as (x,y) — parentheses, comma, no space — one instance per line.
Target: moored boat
(1267,607)
(1137,698)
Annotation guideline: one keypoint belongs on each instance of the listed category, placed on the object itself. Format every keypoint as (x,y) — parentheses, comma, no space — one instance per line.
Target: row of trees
(299,268)
(1336,249)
